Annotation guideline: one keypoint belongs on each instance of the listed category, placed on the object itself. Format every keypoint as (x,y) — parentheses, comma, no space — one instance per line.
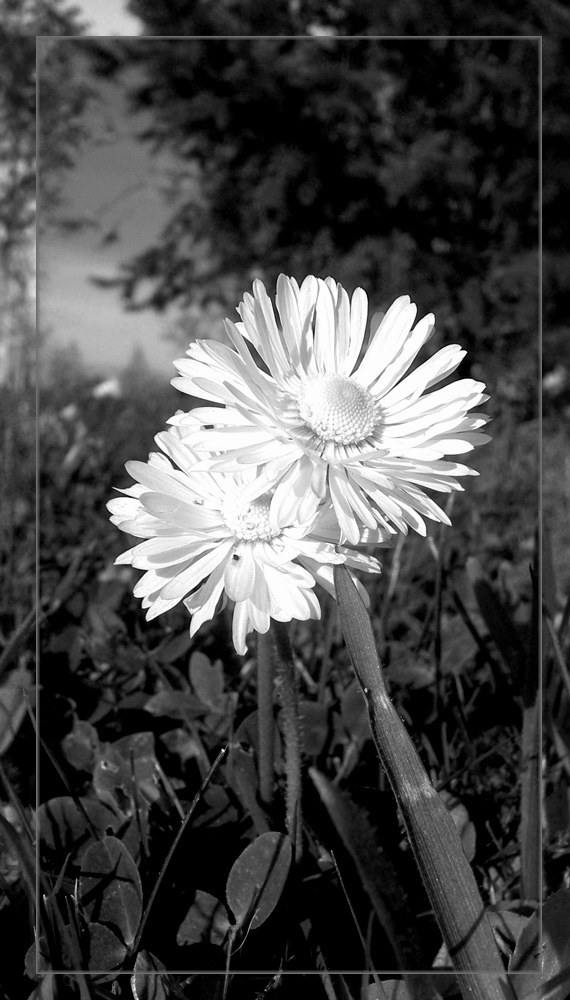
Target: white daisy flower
(324,419)
(205,543)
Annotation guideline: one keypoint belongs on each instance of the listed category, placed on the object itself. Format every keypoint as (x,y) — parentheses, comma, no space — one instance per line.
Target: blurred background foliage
(350,17)
(404,165)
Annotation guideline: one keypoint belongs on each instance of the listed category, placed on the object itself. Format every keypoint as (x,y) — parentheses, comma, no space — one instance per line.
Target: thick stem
(446,873)
(286,676)
(265,674)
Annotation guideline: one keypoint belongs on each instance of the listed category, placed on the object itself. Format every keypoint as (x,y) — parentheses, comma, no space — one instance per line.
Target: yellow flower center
(249,521)
(336,408)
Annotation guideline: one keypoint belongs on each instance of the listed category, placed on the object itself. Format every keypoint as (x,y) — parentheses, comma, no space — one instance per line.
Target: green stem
(285,669)
(265,674)
(447,875)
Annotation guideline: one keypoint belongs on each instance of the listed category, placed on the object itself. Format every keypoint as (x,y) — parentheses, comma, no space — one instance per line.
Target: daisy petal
(358,317)
(239,576)
(240,626)
(189,578)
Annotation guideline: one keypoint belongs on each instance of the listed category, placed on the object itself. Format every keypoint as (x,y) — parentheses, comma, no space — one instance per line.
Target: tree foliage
(64,96)
(349,17)
(311,153)
(397,164)
(18,23)
(17,138)
(549,19)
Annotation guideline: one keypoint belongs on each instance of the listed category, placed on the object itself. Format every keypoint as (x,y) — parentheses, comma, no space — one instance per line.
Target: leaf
(377,875)
(408,669)
(36,960)
(207,919)
(497,619)
(175,705)
(507,925)
(63,827)
(46,989)
(81,745)
(110,887)
(389,989)
(104,625)
(258,877)
(181,744)
(354,713)
(241,774)
(137,751)
(111,588)
(458,645)
(124,769)
(145,984)
(465,827)
(554,980)
(247,735)
(174,648)
(314,720)
(557,807)
(207,679)
(103,621)
(106,951)
(218,808)
(13,704)
(69,642)
(242,770)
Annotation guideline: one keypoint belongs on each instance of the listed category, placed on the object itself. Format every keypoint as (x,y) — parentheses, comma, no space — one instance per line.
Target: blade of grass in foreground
(447,875)
(530,757)
(380,881)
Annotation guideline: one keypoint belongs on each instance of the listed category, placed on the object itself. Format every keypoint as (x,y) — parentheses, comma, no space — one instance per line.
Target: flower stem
(265,675)
(285,669)
(446,873)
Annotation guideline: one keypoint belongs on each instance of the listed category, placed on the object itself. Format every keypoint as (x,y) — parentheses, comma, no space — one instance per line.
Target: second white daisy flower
(206,542)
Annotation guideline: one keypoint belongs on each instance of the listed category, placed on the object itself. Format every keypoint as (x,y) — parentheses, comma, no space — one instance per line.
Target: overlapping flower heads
(326,420)
(318,445)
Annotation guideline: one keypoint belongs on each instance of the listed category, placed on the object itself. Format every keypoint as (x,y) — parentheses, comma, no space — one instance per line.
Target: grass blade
(378,878)
(530,833)
(497,620)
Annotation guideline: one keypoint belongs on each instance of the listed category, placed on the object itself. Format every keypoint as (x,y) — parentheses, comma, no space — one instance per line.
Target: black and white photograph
(285,630)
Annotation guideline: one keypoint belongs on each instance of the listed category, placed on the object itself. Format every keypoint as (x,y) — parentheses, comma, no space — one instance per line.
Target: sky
(113,181)
(107,17)
(116,184)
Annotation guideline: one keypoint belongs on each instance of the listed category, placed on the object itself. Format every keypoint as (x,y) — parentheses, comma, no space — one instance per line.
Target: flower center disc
(249,521)
(336,408)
